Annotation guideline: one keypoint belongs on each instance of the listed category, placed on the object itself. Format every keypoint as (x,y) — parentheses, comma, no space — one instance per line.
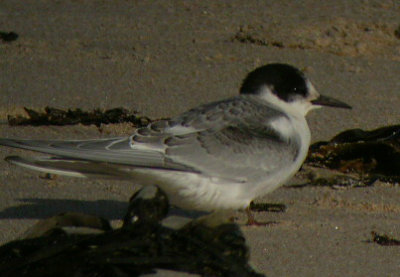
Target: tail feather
(112,150)
(72,167)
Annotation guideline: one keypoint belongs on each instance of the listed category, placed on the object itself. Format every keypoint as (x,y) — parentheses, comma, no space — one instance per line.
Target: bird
(217,156)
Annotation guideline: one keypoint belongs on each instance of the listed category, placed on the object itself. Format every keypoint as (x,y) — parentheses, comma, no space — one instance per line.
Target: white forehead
(313,93)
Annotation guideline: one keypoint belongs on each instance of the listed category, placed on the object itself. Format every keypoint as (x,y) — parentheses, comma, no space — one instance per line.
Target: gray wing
(230,139)
(238,152)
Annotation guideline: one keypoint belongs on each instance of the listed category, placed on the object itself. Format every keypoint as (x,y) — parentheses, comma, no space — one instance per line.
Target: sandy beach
(161,58)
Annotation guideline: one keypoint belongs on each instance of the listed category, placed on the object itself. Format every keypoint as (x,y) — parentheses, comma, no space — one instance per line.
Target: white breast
(288,127)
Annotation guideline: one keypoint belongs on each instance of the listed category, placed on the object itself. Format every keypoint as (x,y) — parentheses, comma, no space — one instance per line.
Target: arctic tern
(216,156)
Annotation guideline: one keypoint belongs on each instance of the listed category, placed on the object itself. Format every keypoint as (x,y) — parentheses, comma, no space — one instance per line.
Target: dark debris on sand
(384,240)
(365,155)
(8,36)
(268,207)
(58,117)
(141,246)
(397,32)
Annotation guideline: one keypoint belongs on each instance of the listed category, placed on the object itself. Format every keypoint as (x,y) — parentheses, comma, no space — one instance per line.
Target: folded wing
(227,139)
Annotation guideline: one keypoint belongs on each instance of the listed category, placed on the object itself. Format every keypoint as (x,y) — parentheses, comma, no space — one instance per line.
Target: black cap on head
(284,80)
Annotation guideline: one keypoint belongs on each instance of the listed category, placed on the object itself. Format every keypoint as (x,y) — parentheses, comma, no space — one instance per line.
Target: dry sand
(163,57)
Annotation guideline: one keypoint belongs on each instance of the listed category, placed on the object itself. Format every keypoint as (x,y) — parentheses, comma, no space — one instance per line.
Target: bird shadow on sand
(40,208)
